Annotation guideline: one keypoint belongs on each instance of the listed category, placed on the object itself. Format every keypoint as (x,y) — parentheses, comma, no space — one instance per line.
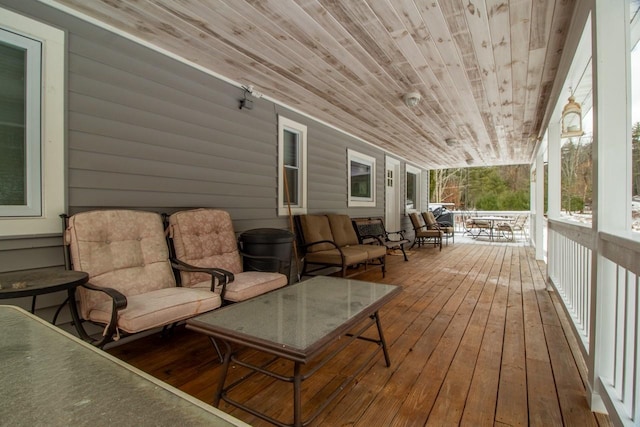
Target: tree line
(507,187)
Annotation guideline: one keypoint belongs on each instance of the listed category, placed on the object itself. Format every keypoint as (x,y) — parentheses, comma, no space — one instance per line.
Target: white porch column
(612,168)
(540,225)
(553,139)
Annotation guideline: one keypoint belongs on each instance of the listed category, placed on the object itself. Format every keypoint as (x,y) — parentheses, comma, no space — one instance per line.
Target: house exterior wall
(147,131)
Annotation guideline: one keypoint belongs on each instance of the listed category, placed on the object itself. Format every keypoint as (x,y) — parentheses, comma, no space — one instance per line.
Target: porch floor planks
(473,332)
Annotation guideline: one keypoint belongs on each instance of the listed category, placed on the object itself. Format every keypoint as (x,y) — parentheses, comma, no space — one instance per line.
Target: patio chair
(422,235)
(504,230)
(372,230)
(520,224)
(131,285)
(447,230)
(205,238)
(330,241)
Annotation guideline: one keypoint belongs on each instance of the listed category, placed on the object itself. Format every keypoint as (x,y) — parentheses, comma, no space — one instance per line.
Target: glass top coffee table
(297,323)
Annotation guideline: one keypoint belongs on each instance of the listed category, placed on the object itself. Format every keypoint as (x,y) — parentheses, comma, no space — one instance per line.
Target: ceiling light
(412,99)
(572,119)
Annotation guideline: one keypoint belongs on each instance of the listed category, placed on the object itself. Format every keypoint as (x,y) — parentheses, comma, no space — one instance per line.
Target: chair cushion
(158,308)
(316,228)
(429,233)
(204,238)
(353,255)
(374,251)
(249,284)
(342,229)
(121,249)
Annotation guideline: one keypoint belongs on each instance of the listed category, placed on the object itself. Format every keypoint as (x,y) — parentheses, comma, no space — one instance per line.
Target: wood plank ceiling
(484,68)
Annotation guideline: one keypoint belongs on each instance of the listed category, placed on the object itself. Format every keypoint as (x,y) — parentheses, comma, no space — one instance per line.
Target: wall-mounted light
(572,119)
(412,99)
(246,102)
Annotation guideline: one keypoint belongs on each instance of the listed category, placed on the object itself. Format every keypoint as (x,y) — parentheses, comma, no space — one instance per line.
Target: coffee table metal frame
(347,332)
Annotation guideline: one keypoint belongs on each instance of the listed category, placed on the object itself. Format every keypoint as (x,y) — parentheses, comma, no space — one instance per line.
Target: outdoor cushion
(205,238)
(342,230)
(152,309)
(120,249)
(248,284)
(316,228)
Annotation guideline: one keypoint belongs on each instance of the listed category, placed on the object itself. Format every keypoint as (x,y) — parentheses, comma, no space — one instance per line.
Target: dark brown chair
(422,234)
(330,241)
(372,231)
(448,231)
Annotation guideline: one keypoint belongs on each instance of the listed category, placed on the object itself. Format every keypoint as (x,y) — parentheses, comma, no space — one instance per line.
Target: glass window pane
(292,186)
(13,165)
(360,180)
(411,190)
(290,148)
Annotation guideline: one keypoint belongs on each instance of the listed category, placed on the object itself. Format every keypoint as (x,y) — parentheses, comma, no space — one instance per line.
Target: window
(19,125)
(412,202)
(292,167)
(32,184)
(361,179)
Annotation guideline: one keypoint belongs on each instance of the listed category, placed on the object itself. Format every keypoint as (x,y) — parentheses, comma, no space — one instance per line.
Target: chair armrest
(118,302)
(222,276)
(399,233)
(372,236)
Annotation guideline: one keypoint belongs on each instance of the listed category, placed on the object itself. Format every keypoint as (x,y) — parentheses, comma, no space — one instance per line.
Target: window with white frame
(292,167)
(32,187)
(412,202)
(361,176)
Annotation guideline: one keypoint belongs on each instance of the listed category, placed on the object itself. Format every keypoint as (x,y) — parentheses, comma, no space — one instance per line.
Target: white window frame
(354,201)
(300,129)
(418,202)
(52,148)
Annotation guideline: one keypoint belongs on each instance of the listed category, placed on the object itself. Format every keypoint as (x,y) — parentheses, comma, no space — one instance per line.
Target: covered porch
(156,109)
(475,338)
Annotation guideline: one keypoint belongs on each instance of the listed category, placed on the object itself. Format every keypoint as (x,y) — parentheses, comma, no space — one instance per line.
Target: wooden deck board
(475,339)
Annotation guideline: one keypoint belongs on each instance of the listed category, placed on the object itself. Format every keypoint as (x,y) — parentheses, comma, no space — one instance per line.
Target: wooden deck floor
(475,339)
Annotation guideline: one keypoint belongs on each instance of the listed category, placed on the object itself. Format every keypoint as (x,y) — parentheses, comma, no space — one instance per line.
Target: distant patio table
(297,323)
(492,220)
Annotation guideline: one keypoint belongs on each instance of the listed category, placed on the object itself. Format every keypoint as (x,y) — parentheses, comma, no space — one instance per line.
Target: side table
(32,283)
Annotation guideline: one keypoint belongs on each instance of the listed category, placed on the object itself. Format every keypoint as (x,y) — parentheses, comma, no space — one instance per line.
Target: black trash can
(273,242)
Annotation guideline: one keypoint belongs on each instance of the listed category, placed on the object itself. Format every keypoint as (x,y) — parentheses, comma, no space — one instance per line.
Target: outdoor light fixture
(412,99)
(245,102)
(572,119)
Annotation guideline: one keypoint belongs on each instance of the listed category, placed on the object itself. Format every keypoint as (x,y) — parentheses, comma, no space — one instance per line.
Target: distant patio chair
(422,234)
(448,231)
(520,224)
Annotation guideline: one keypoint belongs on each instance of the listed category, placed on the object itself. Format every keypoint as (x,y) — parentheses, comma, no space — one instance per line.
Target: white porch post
(553,134)
(612,167)
(538,193)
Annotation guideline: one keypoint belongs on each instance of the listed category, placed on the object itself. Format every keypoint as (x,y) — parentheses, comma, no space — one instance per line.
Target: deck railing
(605,309)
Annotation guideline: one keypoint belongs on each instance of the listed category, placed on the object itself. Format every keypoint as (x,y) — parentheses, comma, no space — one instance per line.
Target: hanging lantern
(572,119)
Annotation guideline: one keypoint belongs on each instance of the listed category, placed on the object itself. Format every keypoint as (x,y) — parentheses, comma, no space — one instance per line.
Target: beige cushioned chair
(331,241)
(432,224)
(422,234)
(131,285)
(205,238)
